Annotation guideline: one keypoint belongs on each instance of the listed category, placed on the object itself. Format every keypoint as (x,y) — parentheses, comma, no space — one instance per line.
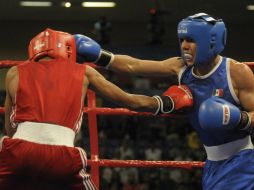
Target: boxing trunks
(36,160)
(229,166)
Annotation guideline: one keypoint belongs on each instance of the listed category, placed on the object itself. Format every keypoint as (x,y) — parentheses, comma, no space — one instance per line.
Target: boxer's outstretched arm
(113,93)
(130,65)
(175,98)
(88,50)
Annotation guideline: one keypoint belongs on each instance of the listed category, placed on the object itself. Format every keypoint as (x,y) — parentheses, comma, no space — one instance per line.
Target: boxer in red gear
(43,108)
(43,112)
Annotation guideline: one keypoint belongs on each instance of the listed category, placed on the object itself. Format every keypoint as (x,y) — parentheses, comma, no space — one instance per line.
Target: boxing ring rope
(150,164)
(92,111)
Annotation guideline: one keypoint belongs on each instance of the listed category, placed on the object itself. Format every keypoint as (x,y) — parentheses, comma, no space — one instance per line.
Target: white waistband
(224,151)
(44,133)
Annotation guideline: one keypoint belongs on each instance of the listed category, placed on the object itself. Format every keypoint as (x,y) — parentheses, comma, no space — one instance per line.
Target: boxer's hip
(227,150)
(33,159)
(45,133)
(55,159)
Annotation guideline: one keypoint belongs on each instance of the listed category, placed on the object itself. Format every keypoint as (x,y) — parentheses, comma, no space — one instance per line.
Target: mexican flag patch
(218,92)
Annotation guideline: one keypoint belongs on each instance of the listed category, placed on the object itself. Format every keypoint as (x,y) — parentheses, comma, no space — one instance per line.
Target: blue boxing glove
(89,50)
(218,114)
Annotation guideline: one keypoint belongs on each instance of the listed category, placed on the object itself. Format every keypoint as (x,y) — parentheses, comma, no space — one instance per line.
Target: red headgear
(54,44)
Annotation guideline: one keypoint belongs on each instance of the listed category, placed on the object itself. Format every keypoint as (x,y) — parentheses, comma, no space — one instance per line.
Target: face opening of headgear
(208,33)
(53,44)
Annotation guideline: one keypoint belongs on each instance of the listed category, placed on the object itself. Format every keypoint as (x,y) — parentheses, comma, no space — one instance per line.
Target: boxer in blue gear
(223,97)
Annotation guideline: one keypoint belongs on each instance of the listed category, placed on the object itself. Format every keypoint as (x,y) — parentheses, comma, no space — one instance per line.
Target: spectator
(102,29)
(126,151)
(155,28)
(153,152)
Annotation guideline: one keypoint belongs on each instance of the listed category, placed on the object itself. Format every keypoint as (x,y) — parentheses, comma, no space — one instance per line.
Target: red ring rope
(144,164)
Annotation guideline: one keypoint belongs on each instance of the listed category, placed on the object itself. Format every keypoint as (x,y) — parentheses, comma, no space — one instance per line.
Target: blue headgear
(208,33)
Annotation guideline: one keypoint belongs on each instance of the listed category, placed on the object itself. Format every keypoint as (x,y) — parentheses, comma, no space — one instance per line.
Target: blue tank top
(215,83)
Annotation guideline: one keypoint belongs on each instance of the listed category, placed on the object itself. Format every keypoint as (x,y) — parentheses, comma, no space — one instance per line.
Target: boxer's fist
(177,98)
(181,96)
(218,114)
(89,50)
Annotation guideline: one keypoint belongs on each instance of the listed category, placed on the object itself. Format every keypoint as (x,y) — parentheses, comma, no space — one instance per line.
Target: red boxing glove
(181,96)
(175,98)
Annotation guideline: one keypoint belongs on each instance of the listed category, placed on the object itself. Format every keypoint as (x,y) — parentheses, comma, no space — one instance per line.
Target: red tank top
(50,92)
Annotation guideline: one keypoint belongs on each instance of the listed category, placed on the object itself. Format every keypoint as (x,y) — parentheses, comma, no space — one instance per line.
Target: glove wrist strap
(165,105)
(245,121)
(105,59)
(159,105)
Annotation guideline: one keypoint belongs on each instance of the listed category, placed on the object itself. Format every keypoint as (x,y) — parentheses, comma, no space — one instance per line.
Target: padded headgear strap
(208,33)
(55,44)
